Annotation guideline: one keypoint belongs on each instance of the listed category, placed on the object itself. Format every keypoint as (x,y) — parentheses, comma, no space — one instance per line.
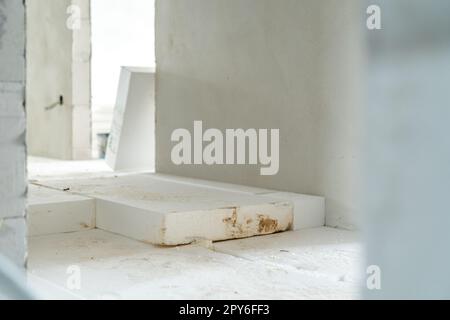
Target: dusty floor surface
(310,264)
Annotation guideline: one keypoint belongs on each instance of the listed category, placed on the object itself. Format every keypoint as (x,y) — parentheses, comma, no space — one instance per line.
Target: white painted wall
(13,186)
(293,65)
(58,60)
(122,35)
(49,55)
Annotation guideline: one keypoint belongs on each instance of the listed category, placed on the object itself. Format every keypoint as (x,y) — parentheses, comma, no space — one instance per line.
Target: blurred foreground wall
(12,132)
(407,149)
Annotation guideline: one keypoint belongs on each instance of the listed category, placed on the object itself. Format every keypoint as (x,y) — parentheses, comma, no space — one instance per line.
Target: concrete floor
(317,263)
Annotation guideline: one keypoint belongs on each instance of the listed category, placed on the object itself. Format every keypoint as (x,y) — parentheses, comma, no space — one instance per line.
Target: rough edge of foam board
(180,228)
(309,211)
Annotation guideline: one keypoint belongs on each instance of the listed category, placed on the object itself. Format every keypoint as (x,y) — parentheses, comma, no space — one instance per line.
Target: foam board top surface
(159,195)
(41,195)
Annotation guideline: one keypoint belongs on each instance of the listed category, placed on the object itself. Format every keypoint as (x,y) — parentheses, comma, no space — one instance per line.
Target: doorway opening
(76,50)
(122,35)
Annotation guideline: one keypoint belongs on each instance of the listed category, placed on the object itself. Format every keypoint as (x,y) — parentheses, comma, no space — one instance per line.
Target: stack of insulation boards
(159,209)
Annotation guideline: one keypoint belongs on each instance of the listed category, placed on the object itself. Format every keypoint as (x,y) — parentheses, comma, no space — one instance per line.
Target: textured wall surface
(49,75)
(13,186)
(58,60)
(292,65)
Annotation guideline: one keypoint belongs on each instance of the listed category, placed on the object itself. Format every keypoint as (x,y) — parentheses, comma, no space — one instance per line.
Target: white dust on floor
(310,264)
(48,169)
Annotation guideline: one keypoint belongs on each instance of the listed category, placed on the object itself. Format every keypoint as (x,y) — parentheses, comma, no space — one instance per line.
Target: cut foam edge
(178,228)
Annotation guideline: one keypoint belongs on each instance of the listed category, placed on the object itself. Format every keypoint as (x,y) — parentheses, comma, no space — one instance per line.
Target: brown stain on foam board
(248,228)
(267,225)
(235,229)
(84,225)
(231,221)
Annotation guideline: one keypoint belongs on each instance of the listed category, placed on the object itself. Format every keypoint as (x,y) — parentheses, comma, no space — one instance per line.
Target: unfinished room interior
(223,149)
